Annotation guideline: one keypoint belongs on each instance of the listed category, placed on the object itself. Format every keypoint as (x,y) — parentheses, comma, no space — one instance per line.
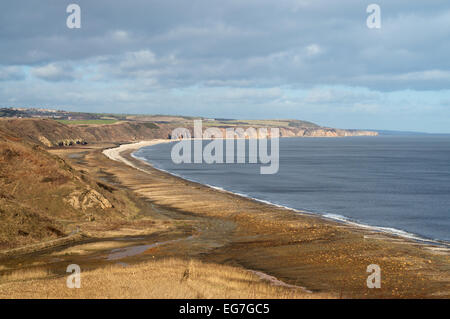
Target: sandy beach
(286,253)
(321,254)
(115,152)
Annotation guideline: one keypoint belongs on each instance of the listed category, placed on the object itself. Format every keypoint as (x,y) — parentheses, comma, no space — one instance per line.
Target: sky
(314,60)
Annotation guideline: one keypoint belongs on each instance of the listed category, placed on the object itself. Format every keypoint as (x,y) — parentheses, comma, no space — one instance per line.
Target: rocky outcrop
(89,198)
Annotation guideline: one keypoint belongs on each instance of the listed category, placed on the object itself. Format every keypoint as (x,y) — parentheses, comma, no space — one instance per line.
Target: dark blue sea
(397,183)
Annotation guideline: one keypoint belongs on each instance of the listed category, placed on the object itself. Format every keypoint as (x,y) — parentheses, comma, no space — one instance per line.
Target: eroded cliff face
(305,132)
(329,132)
(50,133)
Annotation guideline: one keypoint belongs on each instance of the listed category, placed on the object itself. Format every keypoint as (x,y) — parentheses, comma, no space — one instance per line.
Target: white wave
(336,217)
(389,230)
(216,187)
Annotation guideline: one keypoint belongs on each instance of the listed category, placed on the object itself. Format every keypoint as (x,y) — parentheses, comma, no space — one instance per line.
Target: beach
(320,253)
(115,152)
(267,251)
(241,150)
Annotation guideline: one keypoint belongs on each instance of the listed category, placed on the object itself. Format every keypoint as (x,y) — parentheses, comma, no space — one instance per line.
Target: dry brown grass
(24,275)
(167,278)
(43,198)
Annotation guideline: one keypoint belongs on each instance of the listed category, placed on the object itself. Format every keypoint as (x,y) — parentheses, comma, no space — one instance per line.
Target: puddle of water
(119,253)
(129,239)
(76,155)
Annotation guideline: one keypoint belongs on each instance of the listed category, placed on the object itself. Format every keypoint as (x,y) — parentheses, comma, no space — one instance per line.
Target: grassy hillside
(44,198)
(77,122)
(51,133)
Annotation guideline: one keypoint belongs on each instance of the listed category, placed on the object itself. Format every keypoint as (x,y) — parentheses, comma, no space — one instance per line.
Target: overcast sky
(314,60)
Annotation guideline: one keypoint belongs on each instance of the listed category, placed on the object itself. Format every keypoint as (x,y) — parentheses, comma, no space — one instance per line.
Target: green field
(76,122)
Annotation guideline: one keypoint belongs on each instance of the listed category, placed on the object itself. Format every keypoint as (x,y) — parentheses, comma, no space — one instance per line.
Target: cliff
(51,133)
(43,198)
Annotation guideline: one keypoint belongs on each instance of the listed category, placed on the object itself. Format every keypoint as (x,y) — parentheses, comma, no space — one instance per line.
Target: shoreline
(300,249)
(115,154)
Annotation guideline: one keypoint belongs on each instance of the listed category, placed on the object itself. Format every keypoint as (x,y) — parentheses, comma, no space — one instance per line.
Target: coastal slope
(153,216)
(52,133)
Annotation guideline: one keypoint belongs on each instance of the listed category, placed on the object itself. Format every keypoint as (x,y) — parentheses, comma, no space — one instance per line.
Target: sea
(396,184)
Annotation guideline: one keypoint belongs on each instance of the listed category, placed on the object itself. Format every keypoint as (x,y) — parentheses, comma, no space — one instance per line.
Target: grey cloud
(11,73)
(54,72)
(312,59)
(290,42)
(340,96)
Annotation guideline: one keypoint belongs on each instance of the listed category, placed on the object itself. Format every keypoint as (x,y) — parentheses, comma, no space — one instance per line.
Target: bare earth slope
(43,198)
(50,133)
